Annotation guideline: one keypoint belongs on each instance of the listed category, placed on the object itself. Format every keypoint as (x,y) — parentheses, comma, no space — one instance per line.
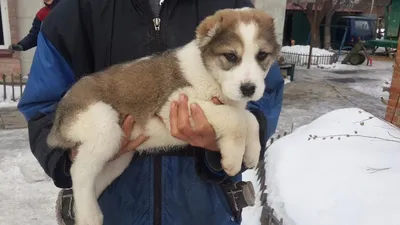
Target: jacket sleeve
(266,110)
(30,40)
(50,77)
(53,72)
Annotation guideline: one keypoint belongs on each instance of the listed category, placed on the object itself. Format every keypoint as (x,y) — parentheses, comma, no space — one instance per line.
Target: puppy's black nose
(247,89)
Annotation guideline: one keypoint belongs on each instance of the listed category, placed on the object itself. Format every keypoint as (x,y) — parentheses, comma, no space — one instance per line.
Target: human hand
(127,145)
(203,134)
(15,47)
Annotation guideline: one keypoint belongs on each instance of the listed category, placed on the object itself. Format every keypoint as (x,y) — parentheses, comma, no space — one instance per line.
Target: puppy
(229,59)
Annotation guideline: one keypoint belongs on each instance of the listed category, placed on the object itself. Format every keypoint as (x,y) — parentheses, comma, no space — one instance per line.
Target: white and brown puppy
(229,59)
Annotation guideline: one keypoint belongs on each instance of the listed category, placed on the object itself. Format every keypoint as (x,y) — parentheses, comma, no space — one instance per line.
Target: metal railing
(267,215)
(12,87)
(301,59)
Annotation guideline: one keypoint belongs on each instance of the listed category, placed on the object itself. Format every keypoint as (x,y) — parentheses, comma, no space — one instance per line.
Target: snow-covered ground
(27,195)
(339,67)
(342,168)
(323,63)
(9,100)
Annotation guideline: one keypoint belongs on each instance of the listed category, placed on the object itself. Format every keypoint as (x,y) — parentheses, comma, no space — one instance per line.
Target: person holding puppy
(173,188)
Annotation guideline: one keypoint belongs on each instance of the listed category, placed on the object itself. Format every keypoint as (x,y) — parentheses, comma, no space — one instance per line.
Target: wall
(9,64)
(277,9)
(393,107)
(26,11)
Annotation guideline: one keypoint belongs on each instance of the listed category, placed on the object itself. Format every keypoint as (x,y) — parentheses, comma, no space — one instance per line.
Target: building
(393,106)
(16,20)
(277,9)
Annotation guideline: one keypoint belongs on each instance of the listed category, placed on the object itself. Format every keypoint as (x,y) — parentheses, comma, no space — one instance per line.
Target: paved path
(11,118)
(314,93)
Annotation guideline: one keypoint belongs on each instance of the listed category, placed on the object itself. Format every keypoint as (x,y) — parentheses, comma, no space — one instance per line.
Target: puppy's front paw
(231,165)
(252,154)
(89,216)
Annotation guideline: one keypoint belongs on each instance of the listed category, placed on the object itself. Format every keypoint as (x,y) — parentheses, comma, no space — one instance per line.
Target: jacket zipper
(157,195)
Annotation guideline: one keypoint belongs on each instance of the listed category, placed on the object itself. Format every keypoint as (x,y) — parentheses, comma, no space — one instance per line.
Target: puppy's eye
(261,56)
(231,57)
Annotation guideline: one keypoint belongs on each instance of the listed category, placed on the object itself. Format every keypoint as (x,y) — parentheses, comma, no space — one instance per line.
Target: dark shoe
(65,207)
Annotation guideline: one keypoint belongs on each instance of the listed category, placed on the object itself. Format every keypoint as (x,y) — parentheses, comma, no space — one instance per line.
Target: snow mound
(305,49)
(342,168)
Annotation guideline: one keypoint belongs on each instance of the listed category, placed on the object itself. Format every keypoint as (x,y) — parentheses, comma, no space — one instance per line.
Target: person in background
(30,40)
(183,187)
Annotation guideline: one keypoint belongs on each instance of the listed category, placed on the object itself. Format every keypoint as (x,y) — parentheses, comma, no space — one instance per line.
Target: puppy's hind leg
(111,171)
(100,137)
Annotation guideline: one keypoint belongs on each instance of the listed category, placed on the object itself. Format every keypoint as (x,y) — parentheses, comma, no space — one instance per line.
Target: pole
(314,20)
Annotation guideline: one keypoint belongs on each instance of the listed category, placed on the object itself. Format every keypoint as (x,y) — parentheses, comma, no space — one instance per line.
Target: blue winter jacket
(83,36)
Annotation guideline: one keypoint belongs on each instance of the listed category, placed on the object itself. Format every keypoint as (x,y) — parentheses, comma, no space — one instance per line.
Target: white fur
(236,128)
(96,150)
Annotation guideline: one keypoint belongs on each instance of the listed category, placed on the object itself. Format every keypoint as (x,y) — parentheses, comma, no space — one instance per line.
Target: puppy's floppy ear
(208,29)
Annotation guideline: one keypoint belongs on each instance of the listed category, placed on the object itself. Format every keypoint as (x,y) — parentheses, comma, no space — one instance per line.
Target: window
(5,37)
(362,26)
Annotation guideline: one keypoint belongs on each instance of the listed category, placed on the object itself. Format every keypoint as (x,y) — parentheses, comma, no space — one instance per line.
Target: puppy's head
(238,46)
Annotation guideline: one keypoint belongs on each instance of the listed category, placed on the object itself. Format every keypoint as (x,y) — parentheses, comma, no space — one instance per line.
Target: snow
(372,89)
(27,195)
(298,54)
(305,49)
(333,178)
(9,101)
(338,66)
(251,215)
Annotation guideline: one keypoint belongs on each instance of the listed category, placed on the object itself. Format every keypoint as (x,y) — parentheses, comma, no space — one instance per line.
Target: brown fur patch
(218,35)
(140,89)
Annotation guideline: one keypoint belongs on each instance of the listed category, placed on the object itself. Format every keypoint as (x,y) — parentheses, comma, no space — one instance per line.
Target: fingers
(179,120)
(173,120)
(216,101)
(127,128)
(134,144)
(183,117)
(72,154)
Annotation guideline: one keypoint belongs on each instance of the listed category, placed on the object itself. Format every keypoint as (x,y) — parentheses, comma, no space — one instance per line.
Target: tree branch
(300,6)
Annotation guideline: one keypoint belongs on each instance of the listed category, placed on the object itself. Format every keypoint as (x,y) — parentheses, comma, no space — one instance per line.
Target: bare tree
(319,10)
(315,13)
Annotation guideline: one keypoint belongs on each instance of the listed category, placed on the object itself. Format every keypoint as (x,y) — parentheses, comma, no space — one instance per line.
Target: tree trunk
(315,36)
(327,31)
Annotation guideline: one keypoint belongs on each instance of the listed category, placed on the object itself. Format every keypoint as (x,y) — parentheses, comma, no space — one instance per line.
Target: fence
(301,59)
(267,215)
(11,87)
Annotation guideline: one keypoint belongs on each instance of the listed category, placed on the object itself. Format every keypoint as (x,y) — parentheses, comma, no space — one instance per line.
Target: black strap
(176,151)
(239,195)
